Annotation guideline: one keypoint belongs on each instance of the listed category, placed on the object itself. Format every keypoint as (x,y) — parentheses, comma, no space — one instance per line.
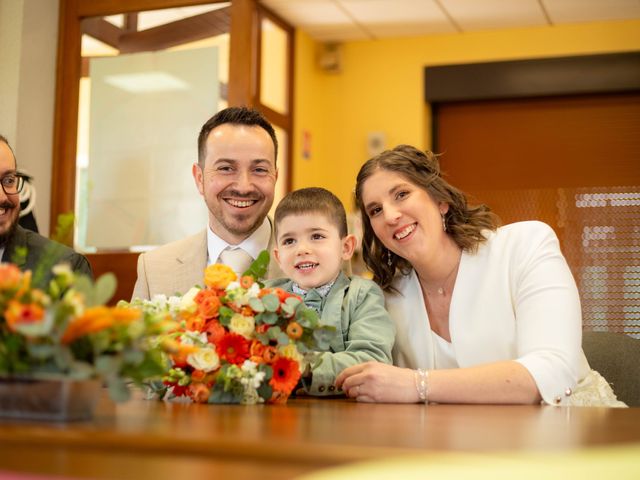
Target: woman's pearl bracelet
(421,378)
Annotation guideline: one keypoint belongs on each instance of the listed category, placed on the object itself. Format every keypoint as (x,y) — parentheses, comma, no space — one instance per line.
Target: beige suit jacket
(176,267)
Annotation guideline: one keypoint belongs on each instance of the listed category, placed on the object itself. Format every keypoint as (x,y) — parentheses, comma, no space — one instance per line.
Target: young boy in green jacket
(312,243)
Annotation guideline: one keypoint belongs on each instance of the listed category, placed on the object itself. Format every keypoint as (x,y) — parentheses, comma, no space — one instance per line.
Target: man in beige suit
(236,175)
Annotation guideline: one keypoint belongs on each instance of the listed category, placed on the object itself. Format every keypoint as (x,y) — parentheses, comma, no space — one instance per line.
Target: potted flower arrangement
(59,344)
(237,342)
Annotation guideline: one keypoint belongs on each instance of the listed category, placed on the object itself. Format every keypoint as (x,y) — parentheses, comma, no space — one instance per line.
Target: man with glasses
(13,238)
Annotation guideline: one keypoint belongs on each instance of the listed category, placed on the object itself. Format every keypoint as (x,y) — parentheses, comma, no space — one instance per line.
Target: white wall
(28,44)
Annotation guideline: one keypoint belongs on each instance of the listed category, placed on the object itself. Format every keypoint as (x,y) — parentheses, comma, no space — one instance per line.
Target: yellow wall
(381,89)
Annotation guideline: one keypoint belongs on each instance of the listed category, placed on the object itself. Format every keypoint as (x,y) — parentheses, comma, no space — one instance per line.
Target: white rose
(205,359)
(242,325)
(187,301)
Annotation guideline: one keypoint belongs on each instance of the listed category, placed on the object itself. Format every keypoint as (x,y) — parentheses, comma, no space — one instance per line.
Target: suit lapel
(191,263)
(18,239)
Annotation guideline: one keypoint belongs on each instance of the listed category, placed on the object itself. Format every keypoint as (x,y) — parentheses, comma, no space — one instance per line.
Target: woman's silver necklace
(441,290)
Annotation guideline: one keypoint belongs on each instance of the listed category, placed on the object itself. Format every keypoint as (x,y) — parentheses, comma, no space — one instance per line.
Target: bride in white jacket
(483,314)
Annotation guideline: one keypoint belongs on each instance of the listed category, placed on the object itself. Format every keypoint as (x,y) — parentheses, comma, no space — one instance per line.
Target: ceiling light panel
(491,14)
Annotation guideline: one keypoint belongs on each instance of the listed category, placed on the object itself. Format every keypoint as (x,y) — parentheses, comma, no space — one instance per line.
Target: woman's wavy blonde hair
(464,223)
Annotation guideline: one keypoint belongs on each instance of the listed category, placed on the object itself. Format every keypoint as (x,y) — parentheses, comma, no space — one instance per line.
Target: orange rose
(9,276)
(199,392)
(269,354)
(208,303)
(215,331)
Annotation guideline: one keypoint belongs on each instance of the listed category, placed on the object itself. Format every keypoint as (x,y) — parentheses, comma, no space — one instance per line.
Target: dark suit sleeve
(80,264)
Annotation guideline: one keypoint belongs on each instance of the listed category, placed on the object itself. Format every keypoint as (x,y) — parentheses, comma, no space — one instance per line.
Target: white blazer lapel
(414,346)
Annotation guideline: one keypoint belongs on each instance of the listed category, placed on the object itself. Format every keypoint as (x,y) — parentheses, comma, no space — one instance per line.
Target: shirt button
(332,388)
(558,400)
(568,392)
(321,388)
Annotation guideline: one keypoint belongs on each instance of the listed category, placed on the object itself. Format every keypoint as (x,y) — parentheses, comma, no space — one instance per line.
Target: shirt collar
(323,290)
(253,244)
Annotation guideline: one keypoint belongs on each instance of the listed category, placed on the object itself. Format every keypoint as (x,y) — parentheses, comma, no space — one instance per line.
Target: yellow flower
(219,276)
(291,351)
(242,325)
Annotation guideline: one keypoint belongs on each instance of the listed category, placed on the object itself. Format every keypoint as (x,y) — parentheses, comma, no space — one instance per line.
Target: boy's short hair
(313,199)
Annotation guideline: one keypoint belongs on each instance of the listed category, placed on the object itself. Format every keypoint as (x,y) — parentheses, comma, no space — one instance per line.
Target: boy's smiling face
(309,249)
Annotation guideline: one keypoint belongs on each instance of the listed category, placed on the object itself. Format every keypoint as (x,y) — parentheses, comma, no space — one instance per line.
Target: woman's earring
(444,222)
(389,260)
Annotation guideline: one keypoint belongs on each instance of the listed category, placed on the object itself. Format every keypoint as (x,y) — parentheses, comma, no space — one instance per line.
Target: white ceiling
(343,20)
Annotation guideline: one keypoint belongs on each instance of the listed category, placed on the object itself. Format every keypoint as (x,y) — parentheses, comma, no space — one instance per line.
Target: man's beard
(4,237)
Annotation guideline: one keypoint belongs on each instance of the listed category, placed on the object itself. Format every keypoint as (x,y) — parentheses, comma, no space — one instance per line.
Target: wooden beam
(243,53)
(131,22)
(102,30)
(97,8)
(63,172)
(182,31)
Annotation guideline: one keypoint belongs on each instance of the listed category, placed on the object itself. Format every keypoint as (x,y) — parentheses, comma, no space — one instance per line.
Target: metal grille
(599,232)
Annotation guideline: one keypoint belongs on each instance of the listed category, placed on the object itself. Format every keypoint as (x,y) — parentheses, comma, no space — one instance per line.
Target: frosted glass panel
(146,110)
(274,66)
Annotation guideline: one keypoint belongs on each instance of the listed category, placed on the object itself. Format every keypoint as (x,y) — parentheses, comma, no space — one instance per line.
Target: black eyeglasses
(13,183)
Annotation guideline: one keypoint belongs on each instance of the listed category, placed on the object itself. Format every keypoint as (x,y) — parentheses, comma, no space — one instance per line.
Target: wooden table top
(151,439)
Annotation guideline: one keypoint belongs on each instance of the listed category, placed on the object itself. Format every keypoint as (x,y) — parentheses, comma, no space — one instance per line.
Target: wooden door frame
(242,90)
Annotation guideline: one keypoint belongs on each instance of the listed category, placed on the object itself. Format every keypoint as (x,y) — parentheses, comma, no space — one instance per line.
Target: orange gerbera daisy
(233,348)
(285,374)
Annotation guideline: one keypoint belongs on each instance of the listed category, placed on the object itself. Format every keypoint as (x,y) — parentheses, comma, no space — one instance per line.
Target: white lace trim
(593,391)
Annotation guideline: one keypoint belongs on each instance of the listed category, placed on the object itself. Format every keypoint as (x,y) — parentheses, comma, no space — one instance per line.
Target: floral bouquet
(237,342)
(63,331)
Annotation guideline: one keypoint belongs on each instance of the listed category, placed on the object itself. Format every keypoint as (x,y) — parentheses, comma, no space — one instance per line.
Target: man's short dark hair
(235,116)
(313,200)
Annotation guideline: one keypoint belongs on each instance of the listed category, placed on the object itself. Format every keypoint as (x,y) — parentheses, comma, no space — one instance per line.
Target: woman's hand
(378,382)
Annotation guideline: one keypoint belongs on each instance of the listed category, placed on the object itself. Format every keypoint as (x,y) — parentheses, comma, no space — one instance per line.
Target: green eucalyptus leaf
(307,317)
(292,301)
(104,288)
(108,365)
(282,338)
(264,390)
(269,318)
(271,302)
(84,286)
(118,390)
(256,304)
(41,351)
(287,310)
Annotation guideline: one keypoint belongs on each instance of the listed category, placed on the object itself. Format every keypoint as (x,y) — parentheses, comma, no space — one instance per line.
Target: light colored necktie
(237,259)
